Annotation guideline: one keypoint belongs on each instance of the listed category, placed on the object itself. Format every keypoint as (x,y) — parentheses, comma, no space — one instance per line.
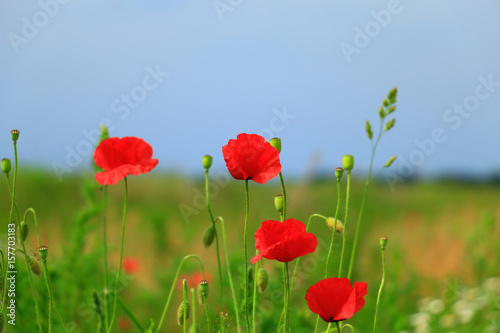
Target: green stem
(49,290)
(338,326)
(287,298)
(207,195)
(173,286)
(284,195)
(379,290)
(121,256)
(328,328)
(129,313)
(33,212)
(206,311)
(105,255)
(363,200)
(254,302)
(246,254)
(230,278)
(334,230)
(194,307)
(345,222)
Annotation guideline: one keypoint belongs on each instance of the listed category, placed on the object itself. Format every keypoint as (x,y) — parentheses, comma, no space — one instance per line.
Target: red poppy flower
(131,265)
(120,157)
(334,299)
(283,241)
(250,156)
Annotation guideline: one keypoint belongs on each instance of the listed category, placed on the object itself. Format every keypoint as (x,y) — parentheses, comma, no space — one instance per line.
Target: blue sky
(188,76)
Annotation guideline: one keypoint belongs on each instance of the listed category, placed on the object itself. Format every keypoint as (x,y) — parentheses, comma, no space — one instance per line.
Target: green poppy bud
(390,124)
(203,291)
(23,232)
(276,143)
(339,172)
(209,237)
(207,161)
(338,226)
(43,252)
(104,133)
(383,242)
(348,162)
(6,165)
(390,161)
(15,135)
(368,129)
(35,267)
(184,308)
(262,280)
(279,203)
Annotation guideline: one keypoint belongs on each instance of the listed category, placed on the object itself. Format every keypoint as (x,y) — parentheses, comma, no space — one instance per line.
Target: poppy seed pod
(34,266)
(207,161)
(184,308)
(209,236)
(348,162)
(262,280)
(203,290)
(279,203)
(15,135)
(383,242)
(276,143)
(6,165)
(339,172)
(43,252)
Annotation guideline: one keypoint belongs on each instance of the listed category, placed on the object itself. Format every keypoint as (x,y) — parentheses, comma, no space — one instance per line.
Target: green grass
(439,233)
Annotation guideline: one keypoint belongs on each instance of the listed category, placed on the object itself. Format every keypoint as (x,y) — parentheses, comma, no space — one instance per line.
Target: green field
(442,252)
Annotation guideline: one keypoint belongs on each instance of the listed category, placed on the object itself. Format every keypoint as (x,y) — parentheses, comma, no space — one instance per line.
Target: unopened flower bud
(276,143)
(390,124)
(279,203)
(262,280)
(348,162)
(207,161)
(15,135)
(390,161)
(368,129)
(104,133)
(209,237)
(339,172)
(43,252)
(383,242)
(385,102)
(184,309)
(339,226)
(391,109)
(6,165)
(34,266)
(203,291)
(23,231)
